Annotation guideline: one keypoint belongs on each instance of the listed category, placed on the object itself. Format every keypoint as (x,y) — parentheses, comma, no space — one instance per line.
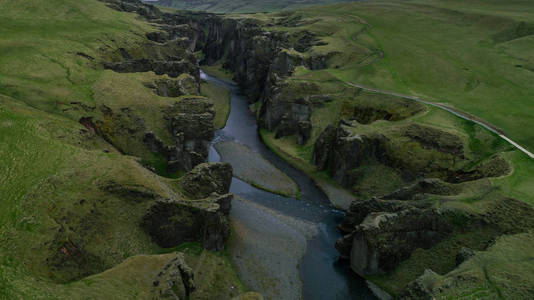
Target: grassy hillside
(242,6)
(474,56)
(68,227)
(471,55)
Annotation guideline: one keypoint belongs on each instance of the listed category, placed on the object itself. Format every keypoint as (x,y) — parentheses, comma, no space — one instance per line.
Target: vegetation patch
(251,167)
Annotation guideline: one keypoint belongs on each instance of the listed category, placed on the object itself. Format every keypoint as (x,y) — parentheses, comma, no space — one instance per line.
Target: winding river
(320,274)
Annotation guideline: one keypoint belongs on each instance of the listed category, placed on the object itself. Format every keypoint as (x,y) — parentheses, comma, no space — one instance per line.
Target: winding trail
(458,113)
(453,111)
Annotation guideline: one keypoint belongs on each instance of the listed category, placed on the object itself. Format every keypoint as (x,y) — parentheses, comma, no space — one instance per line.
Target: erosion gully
(321,275)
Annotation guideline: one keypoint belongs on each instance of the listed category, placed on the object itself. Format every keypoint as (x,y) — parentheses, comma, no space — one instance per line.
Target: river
(320,274)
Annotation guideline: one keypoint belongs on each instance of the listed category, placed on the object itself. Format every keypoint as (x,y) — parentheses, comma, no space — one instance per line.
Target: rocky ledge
(202,217)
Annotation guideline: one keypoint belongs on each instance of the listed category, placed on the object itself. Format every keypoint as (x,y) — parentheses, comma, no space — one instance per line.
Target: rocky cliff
(261,61)
(422,175)
(178,134)
(202,216)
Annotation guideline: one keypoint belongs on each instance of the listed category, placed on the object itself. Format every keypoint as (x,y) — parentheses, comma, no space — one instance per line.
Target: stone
(171,223)
(207,178)
(185,84)
(385,239)
(428,186)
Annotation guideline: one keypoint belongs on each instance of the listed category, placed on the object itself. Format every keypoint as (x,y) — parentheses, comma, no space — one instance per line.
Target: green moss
(221,102)
(218,71)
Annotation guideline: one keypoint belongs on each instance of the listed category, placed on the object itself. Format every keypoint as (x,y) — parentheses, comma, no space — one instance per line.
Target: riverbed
(283,247)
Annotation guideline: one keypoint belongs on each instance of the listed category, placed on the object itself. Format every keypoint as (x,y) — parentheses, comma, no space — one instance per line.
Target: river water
(322,277)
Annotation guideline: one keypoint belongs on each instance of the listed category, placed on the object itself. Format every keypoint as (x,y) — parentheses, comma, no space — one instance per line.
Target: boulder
(421,288)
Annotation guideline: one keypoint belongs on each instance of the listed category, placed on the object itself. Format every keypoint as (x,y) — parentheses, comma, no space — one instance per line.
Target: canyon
(403,200)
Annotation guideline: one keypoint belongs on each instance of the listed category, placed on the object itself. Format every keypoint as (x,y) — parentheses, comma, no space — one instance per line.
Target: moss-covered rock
(206,179)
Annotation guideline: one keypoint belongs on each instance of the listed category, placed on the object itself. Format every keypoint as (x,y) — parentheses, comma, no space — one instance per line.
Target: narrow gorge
(385,223)
(167,154)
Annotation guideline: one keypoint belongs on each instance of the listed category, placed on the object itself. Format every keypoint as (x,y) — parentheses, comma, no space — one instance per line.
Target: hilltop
(241,6)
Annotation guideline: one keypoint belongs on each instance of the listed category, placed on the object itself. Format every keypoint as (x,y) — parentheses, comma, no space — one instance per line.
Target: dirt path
(453,111)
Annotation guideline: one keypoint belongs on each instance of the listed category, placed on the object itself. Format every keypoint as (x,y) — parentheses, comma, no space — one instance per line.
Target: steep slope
(85,212)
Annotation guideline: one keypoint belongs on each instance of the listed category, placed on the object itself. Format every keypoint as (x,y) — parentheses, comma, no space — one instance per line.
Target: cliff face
(430,167)
(414,151)
(204,218)
(261,62)
(380,233)
(181,128)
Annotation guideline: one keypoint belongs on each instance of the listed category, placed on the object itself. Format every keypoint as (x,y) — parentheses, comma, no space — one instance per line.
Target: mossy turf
(70,205)
(474,56)
(221,102)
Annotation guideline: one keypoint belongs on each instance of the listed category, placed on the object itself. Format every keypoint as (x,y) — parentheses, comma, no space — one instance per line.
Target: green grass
(377,179)
(474,56)
(221,102)
(444,51)
(63,234)
(218,71)
(467,54)
(227,6)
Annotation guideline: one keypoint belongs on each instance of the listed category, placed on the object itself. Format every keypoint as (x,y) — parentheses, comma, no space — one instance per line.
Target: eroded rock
(171,223)
(385,239)
(176,280)
(202,219)
(207,178)
(185,84)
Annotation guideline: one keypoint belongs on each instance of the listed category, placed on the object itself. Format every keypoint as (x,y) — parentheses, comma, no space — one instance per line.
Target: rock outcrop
(261,60)
(191,123)
(204,218)
(185,84)
(384,239)
(341,152)
(206,179)
(416,152)
(425,186)
(176,280)
(379,234)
